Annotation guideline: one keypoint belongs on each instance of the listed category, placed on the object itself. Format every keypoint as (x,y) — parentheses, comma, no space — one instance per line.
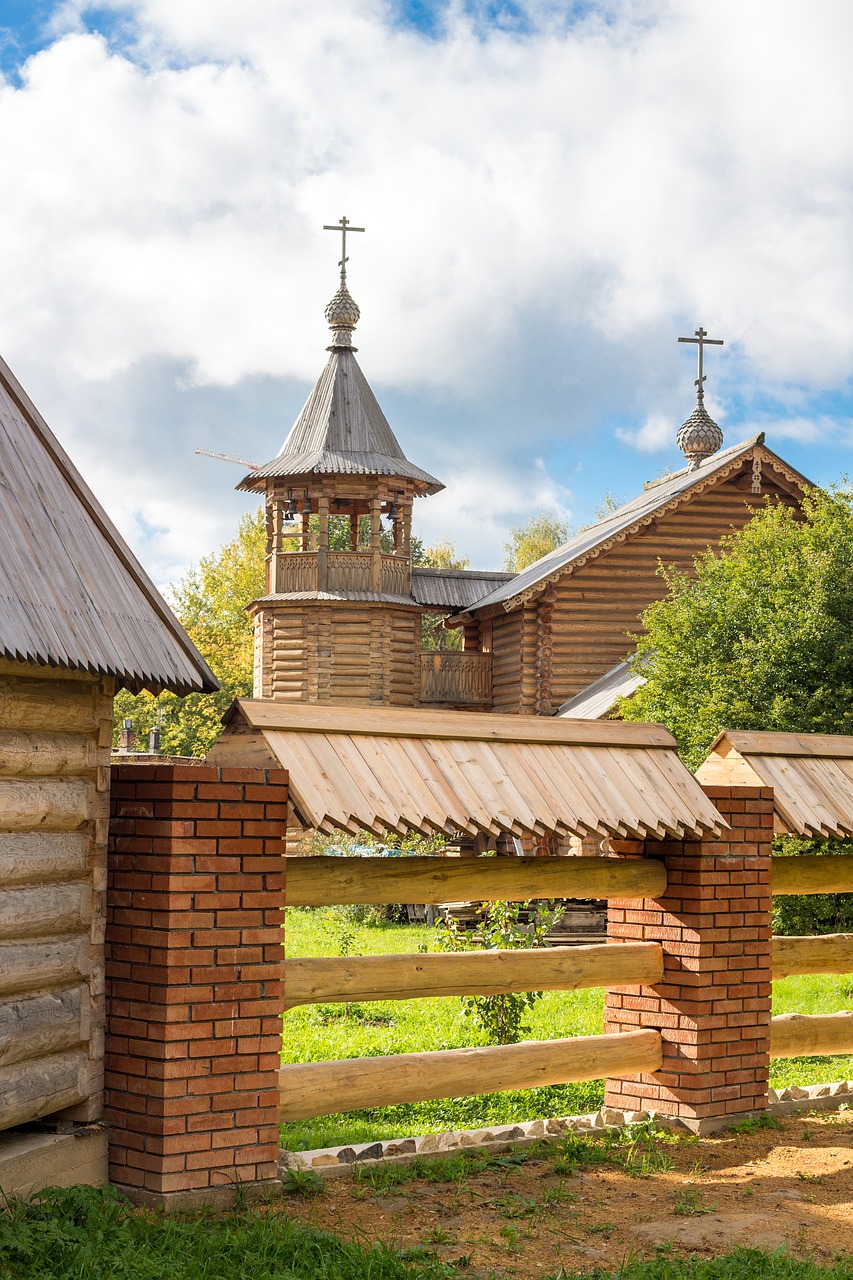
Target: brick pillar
(713,1006)
(194,978)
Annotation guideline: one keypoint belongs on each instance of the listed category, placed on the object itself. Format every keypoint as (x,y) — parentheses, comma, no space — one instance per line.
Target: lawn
(316,1032)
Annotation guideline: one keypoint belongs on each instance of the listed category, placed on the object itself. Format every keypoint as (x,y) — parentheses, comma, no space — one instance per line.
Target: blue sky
(552,195)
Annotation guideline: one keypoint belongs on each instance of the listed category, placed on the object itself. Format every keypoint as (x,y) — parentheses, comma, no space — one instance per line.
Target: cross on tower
(702,340)
(343,225)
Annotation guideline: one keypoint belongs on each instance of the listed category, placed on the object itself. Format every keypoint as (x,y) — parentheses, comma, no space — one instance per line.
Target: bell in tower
(338,621)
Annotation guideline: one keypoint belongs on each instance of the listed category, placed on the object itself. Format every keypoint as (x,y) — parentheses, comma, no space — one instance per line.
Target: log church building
(341,618)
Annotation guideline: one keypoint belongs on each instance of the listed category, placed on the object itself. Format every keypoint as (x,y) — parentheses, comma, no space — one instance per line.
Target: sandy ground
(790,1187)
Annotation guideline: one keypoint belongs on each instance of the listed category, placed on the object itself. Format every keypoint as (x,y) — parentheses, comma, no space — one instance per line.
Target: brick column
(194,979)
(713,1006)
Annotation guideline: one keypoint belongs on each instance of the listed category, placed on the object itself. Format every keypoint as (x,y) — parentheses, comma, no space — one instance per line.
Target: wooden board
(410,977)
(324,881)
(324,1088)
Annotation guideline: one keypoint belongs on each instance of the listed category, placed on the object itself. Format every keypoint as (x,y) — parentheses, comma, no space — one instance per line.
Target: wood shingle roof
(72,594)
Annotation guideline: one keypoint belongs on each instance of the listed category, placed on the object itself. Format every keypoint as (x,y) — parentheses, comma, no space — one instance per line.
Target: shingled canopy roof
(383,769)
(72,594)
(811,774)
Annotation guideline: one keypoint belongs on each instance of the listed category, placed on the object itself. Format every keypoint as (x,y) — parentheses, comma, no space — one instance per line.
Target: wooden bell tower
(338,621)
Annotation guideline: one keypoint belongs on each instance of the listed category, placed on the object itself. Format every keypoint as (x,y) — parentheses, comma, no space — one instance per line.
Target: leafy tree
(210,601)
(529,542)
(761,637)
(442,555)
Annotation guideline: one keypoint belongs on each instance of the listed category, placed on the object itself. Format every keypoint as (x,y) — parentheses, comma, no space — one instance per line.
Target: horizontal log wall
(55,739)
(325,1088)
(410,977)
(320,882)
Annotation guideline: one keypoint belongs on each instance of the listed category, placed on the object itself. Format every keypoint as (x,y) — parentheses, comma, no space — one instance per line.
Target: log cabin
(341,618)
(79,619)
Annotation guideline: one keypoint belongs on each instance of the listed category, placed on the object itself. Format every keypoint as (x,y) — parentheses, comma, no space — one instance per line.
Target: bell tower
(338,622)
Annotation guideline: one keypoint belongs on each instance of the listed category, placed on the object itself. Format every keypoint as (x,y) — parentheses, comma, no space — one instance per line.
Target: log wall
(55,740)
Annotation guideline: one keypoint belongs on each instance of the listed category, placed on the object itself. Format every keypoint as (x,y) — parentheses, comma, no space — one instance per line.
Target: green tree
(442,555)
(761,636)
(529,542)
(210,601)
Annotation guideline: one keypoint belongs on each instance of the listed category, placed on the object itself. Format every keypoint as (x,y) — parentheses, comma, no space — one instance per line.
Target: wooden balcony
(344,571)
(456,679)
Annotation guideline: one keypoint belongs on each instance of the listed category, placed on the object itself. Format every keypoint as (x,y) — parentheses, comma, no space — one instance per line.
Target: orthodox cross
(702,340)
(343,225)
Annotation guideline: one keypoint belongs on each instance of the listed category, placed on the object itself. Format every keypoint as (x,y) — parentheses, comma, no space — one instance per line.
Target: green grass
(85,1233)
(317,1032)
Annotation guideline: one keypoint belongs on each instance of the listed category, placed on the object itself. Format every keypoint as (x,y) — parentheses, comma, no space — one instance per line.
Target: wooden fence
(311,1089)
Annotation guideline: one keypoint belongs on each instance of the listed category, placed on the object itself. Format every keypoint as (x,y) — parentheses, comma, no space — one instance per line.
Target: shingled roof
(341,431)
(72,594)
(665,494)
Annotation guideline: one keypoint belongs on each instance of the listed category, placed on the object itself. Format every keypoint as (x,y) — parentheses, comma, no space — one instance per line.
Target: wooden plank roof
(341,431)
(403,770)
(664,494)
(811,773)
(72,594)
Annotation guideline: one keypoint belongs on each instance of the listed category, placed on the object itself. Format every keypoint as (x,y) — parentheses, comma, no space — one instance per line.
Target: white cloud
(544,213)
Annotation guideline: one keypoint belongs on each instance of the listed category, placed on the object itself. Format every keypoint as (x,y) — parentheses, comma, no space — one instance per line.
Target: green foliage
(762,637)
(442,555)
(94,1234)
(530,542)
(210,601)
(502,1017)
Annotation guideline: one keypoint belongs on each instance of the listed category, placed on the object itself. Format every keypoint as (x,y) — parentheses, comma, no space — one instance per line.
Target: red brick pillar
(194,979)
(713,1006)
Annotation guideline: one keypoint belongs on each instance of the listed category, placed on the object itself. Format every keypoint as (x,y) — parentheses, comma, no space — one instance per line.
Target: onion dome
(342,315)
(700,436)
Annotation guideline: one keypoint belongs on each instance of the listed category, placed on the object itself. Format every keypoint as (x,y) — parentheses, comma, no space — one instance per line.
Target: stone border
(333,1162)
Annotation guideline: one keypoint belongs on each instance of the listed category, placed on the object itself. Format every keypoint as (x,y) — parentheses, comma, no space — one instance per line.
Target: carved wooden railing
(457,678)
(345,571)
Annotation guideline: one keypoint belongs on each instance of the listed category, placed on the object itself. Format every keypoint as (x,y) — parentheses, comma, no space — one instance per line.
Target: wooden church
(341,618)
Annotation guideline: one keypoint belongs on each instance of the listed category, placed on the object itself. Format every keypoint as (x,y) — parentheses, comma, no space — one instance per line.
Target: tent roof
(381,769)
(811,773)
(72,594)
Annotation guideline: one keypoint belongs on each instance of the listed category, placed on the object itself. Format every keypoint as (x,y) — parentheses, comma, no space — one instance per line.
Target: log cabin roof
(657,497)
(598,698)
(399,769)
(72,594)
(341,431)
(811,775)
(454,588)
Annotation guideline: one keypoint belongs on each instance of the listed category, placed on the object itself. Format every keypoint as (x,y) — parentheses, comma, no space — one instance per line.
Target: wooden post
(353,531)
(376,544)
(713,1006)
(407,527)
(323,544)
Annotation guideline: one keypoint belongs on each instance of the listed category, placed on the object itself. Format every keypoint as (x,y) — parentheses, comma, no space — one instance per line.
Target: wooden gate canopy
(402,770)
(811,773)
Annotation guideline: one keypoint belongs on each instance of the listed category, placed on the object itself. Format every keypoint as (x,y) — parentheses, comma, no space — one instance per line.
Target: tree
(529,542)
(210,601)
(761,637)
(442,555)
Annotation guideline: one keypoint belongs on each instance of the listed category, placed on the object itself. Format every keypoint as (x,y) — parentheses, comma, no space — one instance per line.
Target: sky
(553,193)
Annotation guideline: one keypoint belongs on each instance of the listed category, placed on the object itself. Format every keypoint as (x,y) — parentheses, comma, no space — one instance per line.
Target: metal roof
(811,775)
(72,594)
(596,699)
(341,431)
(621,523)
(400,769)
(454,588)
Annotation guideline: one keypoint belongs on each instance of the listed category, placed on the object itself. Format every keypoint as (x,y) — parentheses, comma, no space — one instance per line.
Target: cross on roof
(702,340)
(343,225)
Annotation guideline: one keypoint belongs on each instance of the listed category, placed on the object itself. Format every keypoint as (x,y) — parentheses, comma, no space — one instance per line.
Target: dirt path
(587,1204)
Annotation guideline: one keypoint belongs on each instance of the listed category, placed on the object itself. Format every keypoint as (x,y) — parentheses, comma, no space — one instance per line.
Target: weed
(601,1229)
(687,1205)
(439,1235)
(303,1182)
(510,1234)
(765,1120)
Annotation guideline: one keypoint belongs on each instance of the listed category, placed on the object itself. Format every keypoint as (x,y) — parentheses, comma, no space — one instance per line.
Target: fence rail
(325,882)
(411,977)
(325,1088)
(802,1035)
(811,873)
